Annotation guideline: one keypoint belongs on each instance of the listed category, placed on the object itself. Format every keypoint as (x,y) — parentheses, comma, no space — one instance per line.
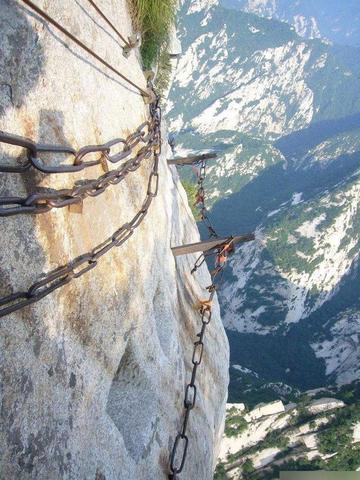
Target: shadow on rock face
(21,56)
(91,14)
(21,64)
(51,123)
(132,391)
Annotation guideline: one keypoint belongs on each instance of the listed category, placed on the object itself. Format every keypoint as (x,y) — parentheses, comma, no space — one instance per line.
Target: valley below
(281,107)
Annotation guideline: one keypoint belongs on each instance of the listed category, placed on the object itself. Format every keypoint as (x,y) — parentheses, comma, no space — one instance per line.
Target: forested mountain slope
(283,112)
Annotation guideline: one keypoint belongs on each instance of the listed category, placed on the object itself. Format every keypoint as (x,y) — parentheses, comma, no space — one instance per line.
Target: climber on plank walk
(199,197)
(222,256)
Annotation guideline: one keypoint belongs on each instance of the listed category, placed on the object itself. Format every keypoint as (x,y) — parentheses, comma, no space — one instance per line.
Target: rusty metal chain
(200,200)
(86,262)
(42,202)
(204,215)
(181,443)
(201,259)
(181,438)
(80,163)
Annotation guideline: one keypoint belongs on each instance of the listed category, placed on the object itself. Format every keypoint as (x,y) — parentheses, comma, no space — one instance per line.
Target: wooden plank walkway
(191,159)
(210,244)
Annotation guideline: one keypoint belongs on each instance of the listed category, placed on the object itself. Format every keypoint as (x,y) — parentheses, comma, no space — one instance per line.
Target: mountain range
(339,22)
(280,104)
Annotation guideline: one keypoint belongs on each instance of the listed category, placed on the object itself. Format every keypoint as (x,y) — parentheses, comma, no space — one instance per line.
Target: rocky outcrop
(93,375)
(275,439)
(264,409)
(324,404)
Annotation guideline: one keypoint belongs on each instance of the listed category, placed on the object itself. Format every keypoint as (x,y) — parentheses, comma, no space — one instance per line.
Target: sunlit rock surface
(93,375)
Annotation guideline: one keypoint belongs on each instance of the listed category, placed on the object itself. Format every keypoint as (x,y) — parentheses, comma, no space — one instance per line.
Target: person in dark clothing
(171,142)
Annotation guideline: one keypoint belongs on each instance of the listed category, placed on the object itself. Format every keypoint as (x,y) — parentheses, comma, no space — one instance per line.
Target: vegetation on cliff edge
(153,18)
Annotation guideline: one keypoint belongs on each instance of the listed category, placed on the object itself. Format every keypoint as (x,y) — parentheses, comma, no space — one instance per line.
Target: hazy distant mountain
(338,21)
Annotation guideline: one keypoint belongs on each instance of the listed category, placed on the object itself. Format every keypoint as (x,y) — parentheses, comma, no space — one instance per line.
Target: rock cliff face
(93,375)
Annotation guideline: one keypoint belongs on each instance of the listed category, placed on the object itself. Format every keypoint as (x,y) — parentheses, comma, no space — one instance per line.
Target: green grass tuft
(163,76)
(153,18)
(235,424)
(191,189)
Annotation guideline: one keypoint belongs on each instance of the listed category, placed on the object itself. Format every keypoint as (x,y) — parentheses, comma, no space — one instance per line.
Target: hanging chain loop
(180,446)
(88,261)
(42,202)
(200,198)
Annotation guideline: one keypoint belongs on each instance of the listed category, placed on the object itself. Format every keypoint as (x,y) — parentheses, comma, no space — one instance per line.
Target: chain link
(200,199)
(180,447)
(86,262)
(33,149)
(44,201)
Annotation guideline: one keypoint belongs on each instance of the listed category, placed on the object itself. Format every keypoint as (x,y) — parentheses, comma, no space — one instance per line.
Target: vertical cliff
(93,375)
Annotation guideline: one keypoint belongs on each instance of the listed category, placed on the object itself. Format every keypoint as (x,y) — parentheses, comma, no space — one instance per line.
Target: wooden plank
(210,244)
(191,159)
